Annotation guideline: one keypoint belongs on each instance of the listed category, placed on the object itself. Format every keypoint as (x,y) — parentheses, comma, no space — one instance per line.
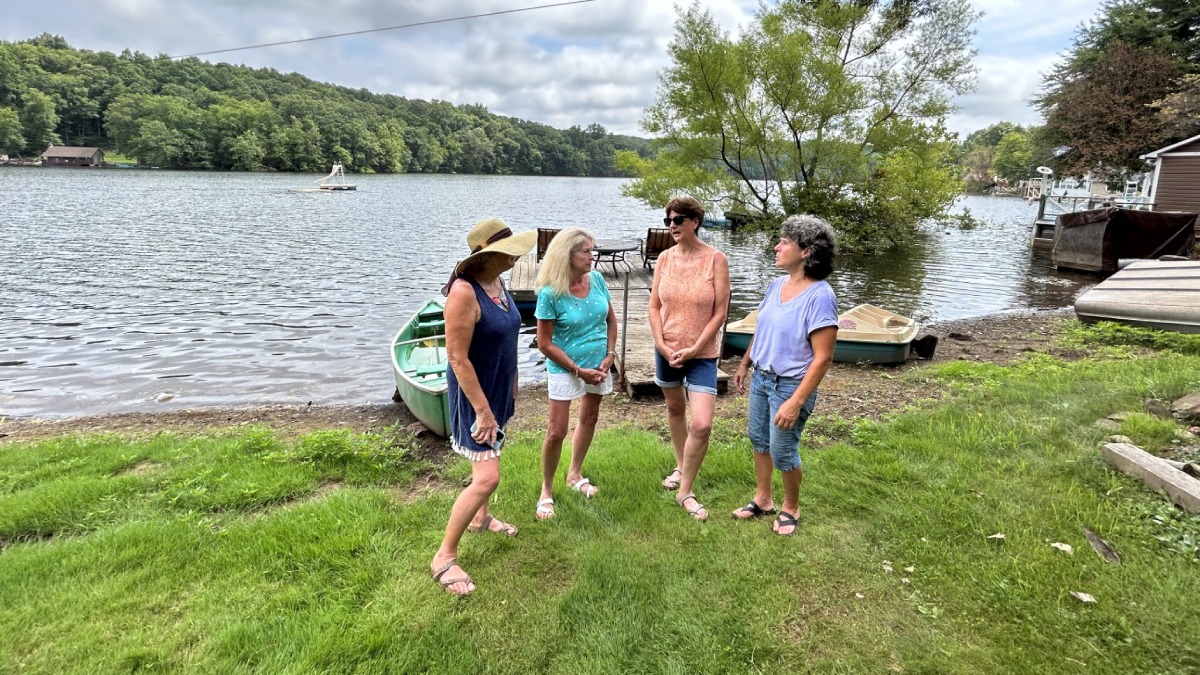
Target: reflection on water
(154,290)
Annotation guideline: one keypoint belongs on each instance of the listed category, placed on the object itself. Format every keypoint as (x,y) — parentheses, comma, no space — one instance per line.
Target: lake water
(133,290)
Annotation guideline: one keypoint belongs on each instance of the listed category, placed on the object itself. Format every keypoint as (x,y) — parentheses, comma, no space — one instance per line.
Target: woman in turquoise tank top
(576,330)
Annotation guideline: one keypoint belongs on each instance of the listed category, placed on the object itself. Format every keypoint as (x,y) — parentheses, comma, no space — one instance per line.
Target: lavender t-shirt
(781,343)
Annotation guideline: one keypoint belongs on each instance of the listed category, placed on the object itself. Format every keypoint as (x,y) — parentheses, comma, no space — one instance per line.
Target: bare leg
(585,428)
(696,446)
(471,504)
(791,495)
(677,420)
(560,415)
(763,468)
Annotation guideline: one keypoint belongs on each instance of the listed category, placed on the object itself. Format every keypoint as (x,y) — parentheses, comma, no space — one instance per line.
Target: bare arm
(656,315)
(739,377)
(823,341)
(610,353)
(462,313)
(545,340)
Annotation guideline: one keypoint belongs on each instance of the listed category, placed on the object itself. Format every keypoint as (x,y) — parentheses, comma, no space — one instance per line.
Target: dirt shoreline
(850,391)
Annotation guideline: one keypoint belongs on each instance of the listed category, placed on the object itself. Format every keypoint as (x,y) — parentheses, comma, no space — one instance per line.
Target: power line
(378,30)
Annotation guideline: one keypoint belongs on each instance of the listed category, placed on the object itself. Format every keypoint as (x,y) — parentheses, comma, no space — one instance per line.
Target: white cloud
(576,64)
(1006,85)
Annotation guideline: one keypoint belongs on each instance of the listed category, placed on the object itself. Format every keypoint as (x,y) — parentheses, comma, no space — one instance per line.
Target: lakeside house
(65,155)
(1175,185)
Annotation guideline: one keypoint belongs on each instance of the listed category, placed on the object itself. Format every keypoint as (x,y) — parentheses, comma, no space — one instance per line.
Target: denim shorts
(768,392)
(698,375)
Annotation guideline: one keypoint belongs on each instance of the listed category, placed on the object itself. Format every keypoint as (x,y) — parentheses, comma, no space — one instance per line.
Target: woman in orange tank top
(688,304)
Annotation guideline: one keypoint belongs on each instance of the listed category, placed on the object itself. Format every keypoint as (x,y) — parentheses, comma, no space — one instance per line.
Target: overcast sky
(574,64)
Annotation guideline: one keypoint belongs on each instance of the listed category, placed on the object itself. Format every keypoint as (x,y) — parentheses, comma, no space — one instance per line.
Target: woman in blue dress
(482,323)
(576,330)
(788,357)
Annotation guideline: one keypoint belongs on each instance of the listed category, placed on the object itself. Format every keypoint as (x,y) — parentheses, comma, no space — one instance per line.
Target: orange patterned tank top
(689,298)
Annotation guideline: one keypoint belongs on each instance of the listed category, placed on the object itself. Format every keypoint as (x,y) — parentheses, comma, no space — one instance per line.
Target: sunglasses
(678,220)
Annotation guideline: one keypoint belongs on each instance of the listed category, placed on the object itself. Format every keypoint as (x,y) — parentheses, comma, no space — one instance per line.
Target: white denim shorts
(567,387)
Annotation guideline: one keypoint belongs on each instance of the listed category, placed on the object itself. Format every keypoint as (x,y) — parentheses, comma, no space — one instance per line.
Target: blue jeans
(768,392)
(698,375)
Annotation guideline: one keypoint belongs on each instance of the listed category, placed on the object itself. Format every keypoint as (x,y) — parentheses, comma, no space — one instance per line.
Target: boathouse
(65,155)
(1176,182)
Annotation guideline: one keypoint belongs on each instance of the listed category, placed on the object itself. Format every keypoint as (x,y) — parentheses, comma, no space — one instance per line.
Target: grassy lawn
(112,157)
(245,553)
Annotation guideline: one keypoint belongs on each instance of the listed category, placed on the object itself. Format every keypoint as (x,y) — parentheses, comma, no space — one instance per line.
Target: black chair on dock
(545,234)
(658,239)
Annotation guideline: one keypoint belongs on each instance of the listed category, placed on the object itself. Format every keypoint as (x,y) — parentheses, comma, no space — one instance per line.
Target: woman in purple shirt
(789,355)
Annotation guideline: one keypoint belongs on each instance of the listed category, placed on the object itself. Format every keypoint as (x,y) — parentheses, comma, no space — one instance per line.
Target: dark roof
(68,151)
(1174,146)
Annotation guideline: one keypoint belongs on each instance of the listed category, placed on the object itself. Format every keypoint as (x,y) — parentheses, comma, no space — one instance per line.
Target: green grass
(243,553)
(113,157)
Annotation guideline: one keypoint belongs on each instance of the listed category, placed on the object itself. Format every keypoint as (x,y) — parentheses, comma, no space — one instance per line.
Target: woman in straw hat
(482,323)
(576,330)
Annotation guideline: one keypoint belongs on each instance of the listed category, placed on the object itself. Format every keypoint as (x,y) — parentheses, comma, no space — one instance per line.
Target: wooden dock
(629,284)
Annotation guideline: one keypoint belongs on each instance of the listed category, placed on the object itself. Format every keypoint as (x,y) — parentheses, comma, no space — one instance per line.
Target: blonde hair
(555,270)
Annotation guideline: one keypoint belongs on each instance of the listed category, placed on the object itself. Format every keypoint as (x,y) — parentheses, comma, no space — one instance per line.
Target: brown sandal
(671,482)
(439,577)
(699,513)
(508,530)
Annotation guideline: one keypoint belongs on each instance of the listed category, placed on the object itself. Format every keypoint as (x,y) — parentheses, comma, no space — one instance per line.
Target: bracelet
(611,353)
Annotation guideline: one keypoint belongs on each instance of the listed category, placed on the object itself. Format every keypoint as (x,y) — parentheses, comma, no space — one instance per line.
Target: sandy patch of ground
(849,391)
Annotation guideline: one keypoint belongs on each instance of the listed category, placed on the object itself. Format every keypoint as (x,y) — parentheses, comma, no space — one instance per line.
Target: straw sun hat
(492,235)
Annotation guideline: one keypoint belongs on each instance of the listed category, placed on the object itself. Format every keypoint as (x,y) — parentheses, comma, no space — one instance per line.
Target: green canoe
(419,365)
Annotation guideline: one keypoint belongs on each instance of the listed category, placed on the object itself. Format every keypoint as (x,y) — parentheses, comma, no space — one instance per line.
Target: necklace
(499,297)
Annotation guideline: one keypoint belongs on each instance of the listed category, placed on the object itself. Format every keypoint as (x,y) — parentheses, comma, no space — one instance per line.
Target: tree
(1104,117)
(296,147)
(817,106)
(38,120)
(1014,158)
(11,139)
(1179,112)
(246,151)
(990,136)
(1135,54)
(158,144)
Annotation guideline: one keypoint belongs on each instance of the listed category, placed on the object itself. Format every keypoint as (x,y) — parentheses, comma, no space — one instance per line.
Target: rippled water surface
(133,290)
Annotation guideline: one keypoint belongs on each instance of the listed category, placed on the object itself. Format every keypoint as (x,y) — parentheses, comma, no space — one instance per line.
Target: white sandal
(582,487)
(545,509)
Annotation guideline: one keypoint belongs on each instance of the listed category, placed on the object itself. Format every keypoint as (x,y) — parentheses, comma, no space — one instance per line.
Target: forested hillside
(192,114)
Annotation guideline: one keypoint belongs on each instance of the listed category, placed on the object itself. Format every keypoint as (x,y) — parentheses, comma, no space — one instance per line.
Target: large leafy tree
(830,106)
(1179,111)
(11,138)
(1014,157)
(38,119)
(1097,100)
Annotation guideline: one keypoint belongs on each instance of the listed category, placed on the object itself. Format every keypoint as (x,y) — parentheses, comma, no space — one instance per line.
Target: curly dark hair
(812,232)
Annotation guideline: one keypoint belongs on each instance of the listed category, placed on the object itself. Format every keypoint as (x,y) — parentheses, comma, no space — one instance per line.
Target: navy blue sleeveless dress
(493,353)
